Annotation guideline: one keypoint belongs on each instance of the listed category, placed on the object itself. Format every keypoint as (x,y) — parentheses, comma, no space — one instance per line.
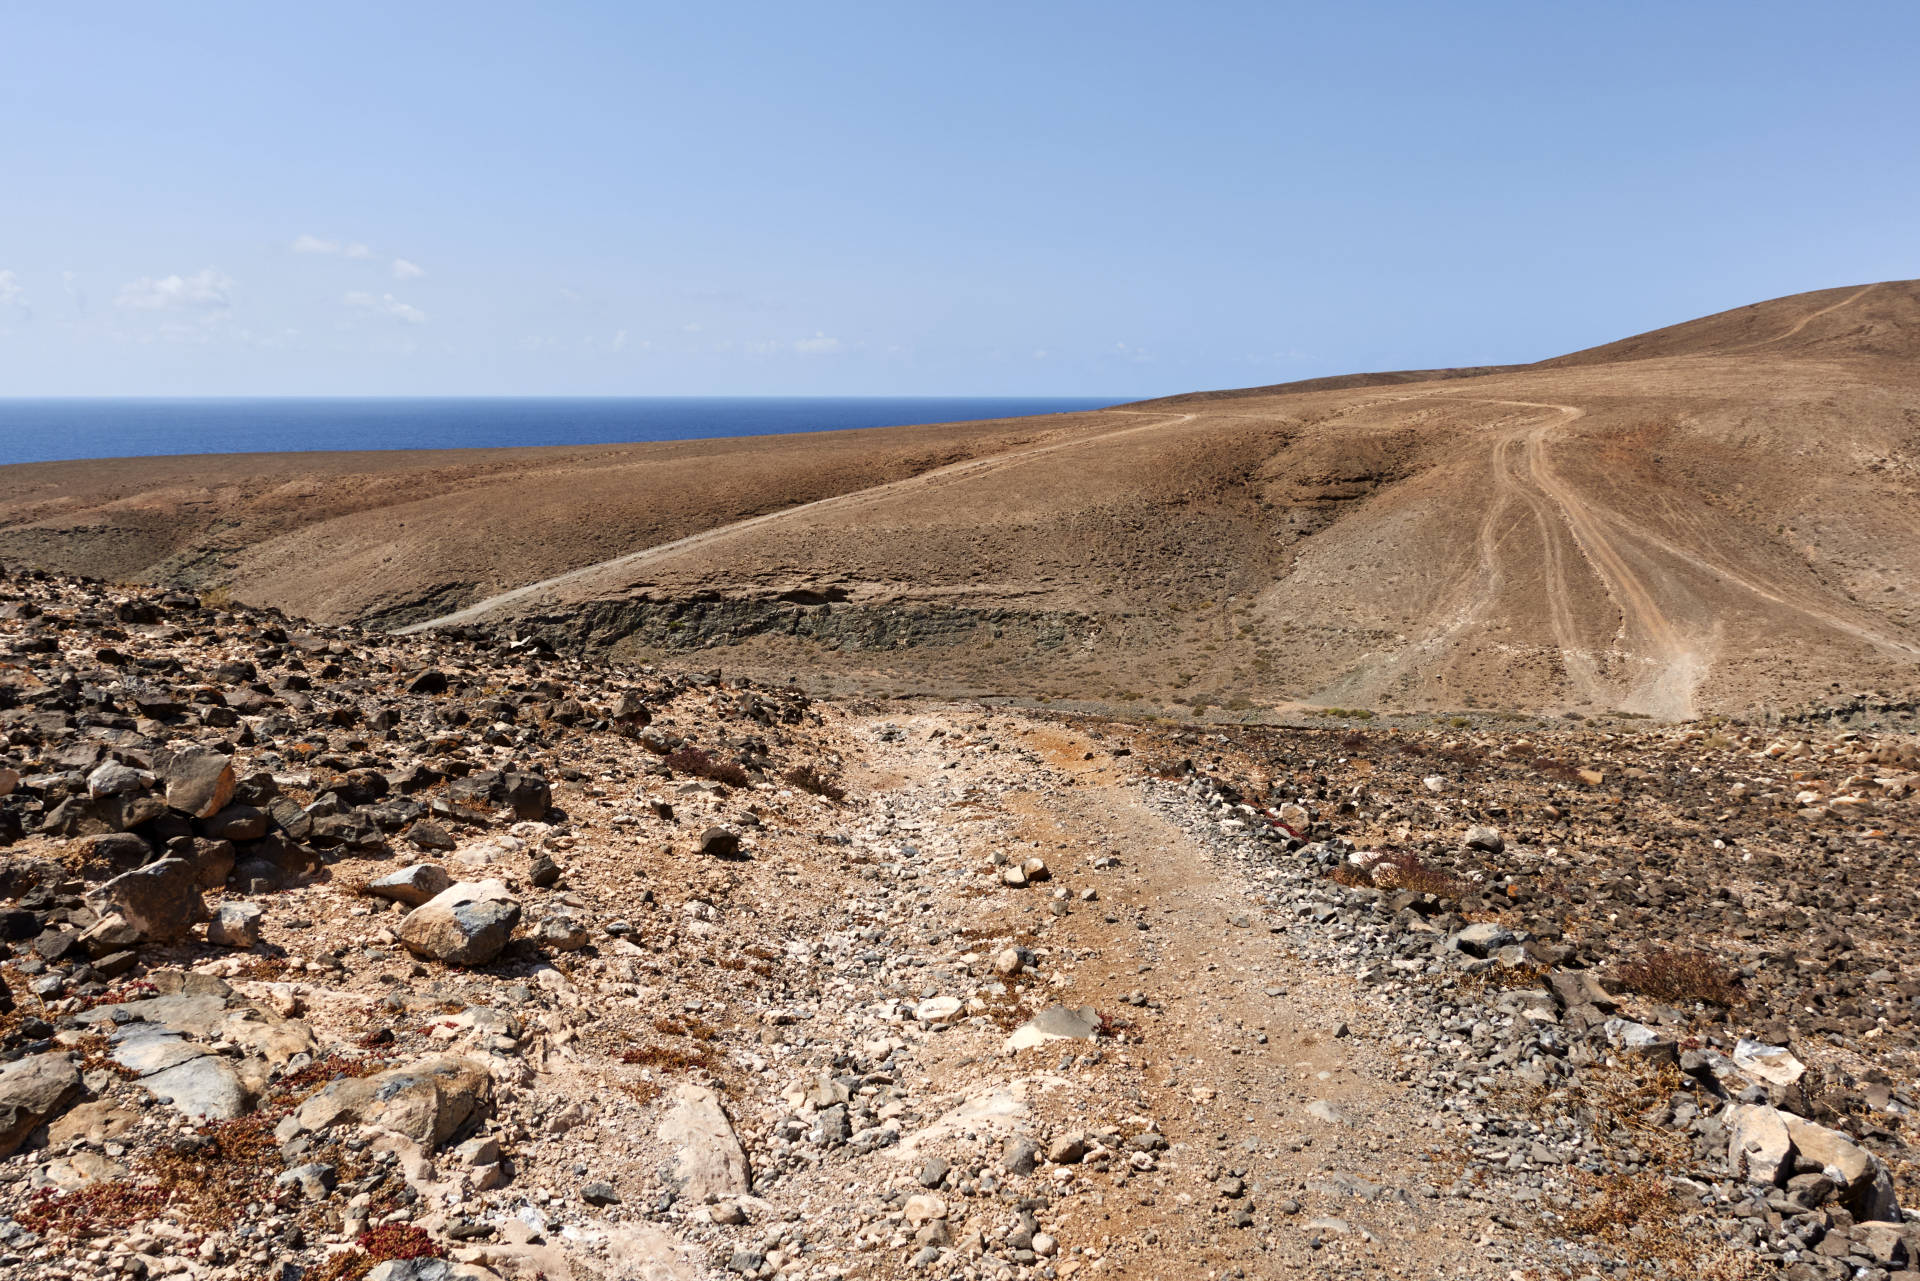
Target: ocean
(46,430)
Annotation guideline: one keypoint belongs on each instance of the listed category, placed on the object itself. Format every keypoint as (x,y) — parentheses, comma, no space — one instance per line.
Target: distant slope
(1722,515)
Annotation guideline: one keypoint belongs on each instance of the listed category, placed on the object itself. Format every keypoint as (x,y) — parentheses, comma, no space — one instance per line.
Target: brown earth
(1720,516)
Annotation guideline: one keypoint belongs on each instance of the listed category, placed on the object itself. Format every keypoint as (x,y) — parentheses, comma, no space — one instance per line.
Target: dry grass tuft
(810,778)
(389,1242)
(1681,976)
(668,1058)
(1637,1216)
(1403,870)
(691,760)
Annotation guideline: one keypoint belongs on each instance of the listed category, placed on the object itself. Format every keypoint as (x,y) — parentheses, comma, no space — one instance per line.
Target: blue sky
(1075,198)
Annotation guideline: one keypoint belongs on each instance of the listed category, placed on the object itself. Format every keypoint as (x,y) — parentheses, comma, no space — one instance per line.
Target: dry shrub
(809,778)
(296,1087)
(669,1058)
(1402,870)
(691,760)
(1556,771)
(390,1241)
(1667,974)
(1620,1103)
(1614,1203)
(1636,1216)
(194,1181)
(1505,978)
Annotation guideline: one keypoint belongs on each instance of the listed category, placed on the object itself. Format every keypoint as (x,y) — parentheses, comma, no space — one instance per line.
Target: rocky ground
(335,954)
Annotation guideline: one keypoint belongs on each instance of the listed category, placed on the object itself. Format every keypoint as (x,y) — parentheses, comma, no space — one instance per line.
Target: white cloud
(387,305)
(11,294)
(404,270)
(818,345)
(304,244)
(620,340)
(208,289)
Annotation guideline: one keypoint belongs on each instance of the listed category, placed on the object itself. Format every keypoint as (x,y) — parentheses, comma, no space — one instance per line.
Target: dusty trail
(646,555)
(1808,319)
(1256,1064)
(1678,665)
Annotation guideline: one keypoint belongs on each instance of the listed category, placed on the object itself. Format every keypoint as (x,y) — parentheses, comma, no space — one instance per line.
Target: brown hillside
(1715,516)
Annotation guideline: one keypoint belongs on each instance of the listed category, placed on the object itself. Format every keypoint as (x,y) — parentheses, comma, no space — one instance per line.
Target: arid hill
(1718,516)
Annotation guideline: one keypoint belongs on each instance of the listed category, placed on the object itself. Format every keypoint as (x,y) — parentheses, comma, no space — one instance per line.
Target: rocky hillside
(1716,517)
(333,954)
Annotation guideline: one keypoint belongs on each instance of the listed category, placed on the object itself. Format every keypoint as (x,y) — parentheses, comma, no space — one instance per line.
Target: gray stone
(161,900)
(1581,987)
(1056,1023)
(1068,1149)
(235,823)
(198,781)
(707,1158)
(1484,838)
(33,1091)
(115,779)
(1759,1149)
(466,924)
(1482,939)
(412,885)
(205,1086)
(315,1180)
(429,1101)
(235,925)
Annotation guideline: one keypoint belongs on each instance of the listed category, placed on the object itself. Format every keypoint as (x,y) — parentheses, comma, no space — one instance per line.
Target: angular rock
(938,1009)
(235,925)
(1581,987)
(708,1161)
(115,779)
(428,1102)
(212,862)
(33,1091)
(412,885)
(1759,1148)
(466,924)
(161,900)
(1773,1064)
(235,823)
(429,835)
(103,856)
(1482,939)
(718,842)
(1484,838)
(1866,1188)
(197,780)
(1055,1023)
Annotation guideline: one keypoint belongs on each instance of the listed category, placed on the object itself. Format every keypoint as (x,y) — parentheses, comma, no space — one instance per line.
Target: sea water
(45,430)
